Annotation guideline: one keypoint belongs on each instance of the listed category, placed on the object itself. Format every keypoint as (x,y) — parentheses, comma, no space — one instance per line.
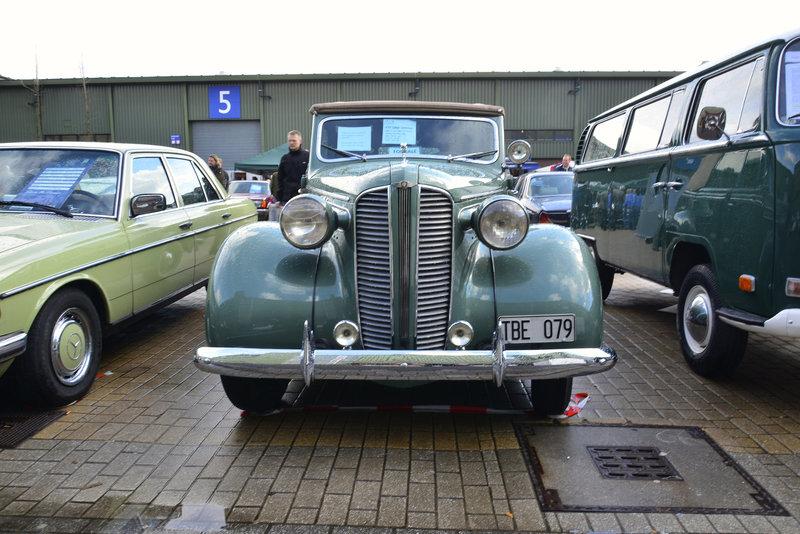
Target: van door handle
(659,185)
(674,185)
(186,225)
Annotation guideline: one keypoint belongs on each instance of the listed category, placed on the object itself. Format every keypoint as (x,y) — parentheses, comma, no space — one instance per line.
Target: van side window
(728,91)
(673,117)
(751,112)
(646,125)
(604,139)
(789,86)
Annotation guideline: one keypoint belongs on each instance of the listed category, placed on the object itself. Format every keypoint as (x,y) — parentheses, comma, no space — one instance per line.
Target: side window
(751,112)
(148,176)
(673,117)
(189,187)
(603,142)
(789,85)
(727,91)
(211,193)
(646,126)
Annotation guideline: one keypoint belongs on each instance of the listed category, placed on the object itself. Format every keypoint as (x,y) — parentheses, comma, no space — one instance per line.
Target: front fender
(261,288)
(551,272)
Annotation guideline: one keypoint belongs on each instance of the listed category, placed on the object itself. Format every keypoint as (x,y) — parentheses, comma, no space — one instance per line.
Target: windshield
(462,138)
(249,187)
(73,181)
(550,184)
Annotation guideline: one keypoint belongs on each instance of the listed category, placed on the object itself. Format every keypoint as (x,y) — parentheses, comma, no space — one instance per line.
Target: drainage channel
(627,468)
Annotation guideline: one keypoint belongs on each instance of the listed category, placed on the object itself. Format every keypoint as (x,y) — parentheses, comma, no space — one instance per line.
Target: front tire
(62,358)
(257,395)
(551,397)
(710,347)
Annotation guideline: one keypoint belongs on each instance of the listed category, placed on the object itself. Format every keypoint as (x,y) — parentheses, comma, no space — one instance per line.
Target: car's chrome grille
(374,269)
(434,259)
(430,247)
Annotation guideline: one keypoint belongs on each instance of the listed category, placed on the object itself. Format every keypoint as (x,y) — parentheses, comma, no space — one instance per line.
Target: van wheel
(551,397)
(257,395)
(710,347)
(606,278)
(63,353)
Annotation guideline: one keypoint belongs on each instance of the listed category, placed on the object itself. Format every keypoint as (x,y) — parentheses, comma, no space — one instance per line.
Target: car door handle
(658,185)
(226,215)
(674,185)
(186,225)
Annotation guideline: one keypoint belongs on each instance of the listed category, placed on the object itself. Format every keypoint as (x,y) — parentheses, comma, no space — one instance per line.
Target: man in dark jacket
(215,162)
(292,166)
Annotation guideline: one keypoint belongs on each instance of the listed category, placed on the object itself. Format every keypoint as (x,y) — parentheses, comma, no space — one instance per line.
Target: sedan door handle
(226,215)
(186,225)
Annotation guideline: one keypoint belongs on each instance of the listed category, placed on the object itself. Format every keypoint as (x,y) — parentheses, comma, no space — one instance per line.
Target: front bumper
(498,364)
(12,345)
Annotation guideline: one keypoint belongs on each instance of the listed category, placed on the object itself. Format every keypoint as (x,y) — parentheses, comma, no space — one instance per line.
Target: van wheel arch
(684,257)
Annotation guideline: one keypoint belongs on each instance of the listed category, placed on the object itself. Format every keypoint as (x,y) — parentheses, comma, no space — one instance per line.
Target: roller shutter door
(230,140)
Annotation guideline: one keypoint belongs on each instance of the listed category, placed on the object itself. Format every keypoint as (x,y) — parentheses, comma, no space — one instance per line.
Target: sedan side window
(148,176)
(189,186)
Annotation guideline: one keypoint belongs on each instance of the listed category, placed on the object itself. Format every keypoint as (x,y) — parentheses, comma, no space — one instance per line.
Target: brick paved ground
(157,447)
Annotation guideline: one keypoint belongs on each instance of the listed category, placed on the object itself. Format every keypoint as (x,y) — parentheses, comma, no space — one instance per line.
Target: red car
(257,191)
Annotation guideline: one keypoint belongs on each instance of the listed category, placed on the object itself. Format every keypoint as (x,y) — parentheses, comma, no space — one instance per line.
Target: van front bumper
(498,364)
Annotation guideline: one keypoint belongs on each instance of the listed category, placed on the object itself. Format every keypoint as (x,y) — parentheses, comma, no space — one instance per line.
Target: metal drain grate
(17,427)
(632,463)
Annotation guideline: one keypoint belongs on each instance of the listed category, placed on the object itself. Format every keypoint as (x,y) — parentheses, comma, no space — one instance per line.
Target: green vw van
(696,184)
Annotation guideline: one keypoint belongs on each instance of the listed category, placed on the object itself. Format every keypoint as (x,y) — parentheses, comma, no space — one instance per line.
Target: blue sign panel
(175,139)
(224,102)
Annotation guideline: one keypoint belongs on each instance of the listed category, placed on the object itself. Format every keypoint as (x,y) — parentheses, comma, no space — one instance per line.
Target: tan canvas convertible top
(402,106)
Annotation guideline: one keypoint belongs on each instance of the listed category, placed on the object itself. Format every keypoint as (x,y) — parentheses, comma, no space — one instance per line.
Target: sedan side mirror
(148,203)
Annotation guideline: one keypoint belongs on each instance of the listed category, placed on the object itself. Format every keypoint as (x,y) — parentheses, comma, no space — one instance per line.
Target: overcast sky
(75,38)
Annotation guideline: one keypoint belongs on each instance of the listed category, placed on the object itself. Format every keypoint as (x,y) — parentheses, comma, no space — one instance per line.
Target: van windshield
(367,137)
(789,87)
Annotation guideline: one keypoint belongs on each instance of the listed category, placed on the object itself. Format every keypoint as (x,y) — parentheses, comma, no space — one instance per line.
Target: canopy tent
(266,161)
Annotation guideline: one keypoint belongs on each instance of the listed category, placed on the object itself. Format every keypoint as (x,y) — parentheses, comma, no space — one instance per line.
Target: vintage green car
(91,235)
(404,259)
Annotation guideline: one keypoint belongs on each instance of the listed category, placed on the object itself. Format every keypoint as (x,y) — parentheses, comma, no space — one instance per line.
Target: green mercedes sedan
(93,235)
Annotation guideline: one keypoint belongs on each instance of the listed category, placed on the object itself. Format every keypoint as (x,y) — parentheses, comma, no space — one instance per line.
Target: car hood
(40,242)
(459,179)
(551,202)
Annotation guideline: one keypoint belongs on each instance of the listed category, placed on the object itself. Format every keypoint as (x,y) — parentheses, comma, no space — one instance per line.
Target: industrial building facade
(237,117)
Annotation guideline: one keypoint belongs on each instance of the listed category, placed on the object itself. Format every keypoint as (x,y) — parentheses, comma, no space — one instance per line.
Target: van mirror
(711,124)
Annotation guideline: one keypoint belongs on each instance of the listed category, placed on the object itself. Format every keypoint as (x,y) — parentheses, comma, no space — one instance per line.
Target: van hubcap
(697,319)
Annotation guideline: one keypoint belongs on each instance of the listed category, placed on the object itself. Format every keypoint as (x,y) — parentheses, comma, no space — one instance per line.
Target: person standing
(565,165)
(292,167)
(215,162)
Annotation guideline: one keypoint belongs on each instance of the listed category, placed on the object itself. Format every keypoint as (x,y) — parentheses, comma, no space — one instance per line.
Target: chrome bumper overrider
(498,364)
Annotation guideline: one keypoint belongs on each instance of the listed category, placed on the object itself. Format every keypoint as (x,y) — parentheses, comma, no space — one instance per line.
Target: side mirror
(711,124)
(148,203)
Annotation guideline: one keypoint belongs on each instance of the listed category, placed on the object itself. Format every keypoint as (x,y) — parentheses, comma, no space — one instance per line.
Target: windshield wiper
(473,155)
(362,157)
(45,207)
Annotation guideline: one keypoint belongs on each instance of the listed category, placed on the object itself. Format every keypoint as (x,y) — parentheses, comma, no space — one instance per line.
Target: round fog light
(345,333)
(460,333)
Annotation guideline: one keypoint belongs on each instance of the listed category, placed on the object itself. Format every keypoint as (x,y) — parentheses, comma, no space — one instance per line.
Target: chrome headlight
(307,221)
(502,223)
(519,152)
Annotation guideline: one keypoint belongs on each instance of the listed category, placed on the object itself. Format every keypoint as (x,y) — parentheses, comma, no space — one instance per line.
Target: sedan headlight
(502,223)
(307,221)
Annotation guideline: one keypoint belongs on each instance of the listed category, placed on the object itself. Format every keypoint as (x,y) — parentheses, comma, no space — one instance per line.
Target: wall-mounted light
(415,92)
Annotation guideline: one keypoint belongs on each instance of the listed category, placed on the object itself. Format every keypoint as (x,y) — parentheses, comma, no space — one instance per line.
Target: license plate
(538,328)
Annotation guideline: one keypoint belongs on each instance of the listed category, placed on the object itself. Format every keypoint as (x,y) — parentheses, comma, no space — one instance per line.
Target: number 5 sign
(224,103)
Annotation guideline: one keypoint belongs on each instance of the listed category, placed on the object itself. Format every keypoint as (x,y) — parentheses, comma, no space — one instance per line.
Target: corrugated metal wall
(152,110)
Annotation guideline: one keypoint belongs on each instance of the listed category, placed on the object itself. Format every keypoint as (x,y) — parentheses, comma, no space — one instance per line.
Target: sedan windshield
(541,184)
(449,138)
(68,181)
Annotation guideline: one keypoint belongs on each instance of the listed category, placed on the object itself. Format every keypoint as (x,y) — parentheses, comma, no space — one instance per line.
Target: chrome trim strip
(12,345)
(26,287)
